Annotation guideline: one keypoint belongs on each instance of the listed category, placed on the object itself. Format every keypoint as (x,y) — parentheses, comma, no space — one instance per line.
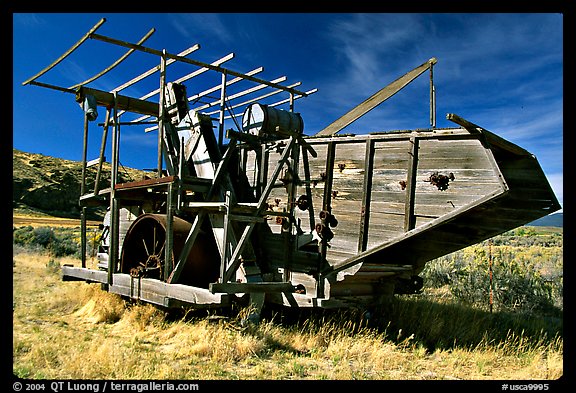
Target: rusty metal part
(303,202)
(441,181)
(144,248)
(324,232)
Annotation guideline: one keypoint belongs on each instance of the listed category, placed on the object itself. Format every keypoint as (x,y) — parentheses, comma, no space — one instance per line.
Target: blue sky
(503,72)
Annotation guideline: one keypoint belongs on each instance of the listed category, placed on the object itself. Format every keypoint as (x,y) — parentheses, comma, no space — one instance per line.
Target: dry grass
(73,330)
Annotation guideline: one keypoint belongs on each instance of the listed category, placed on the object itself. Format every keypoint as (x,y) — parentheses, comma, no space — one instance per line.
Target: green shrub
(58,242)
(526,272)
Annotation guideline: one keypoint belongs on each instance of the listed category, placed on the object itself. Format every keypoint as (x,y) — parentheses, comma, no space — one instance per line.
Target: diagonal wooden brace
(235,261)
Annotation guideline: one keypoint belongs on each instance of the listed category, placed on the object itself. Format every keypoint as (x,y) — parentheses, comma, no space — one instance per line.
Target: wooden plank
(158,292)
(146,183)
(71,273)
(254,287)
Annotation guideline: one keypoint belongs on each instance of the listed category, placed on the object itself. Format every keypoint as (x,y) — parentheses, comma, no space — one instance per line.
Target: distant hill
(551,220)
(52,185)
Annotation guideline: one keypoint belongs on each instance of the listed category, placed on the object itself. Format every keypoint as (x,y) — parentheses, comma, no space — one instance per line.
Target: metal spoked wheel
(143,251)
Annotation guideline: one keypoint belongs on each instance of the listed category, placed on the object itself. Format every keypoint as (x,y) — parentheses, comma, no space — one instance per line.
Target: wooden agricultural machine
(267,214)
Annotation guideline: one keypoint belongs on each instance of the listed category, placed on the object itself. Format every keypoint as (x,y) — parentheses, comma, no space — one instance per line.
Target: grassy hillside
(44,184)
(74,330)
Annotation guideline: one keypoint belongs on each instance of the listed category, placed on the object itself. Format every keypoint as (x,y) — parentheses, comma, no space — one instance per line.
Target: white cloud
(28,19)
(190,25)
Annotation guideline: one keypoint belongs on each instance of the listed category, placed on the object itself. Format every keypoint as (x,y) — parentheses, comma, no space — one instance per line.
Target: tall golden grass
(73,330)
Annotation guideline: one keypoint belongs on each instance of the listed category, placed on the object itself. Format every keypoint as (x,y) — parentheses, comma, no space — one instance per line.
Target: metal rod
(68,52)
(113,65)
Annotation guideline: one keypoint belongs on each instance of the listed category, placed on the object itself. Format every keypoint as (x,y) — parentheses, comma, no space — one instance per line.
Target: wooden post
(82,191)
(326,206)
(327,200)
(432,97)
(409,218)
(168,255)
(308,189)
(222,109)
(181,164)
(161,110)
(366,196)
(289,243)
(225,246)
(114,219)
(263,172)
(102,151)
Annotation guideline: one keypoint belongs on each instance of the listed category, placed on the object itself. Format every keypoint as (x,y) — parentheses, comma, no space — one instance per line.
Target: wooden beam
(125,103)
(375,100)
(253,287)
(489,137)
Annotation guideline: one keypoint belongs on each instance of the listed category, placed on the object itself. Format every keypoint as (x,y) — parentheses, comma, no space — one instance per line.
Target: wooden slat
(116,63)
(154,69)
(193,62)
